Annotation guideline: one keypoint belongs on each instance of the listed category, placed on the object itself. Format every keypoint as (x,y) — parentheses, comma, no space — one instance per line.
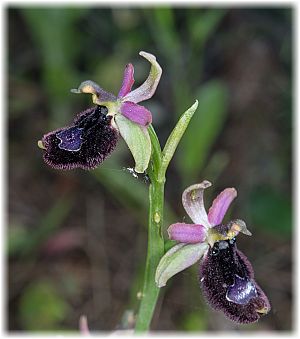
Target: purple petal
(187,233)
(85,144)
(128,81)
(136,113)
(148,88)
(192,200)
(220,206)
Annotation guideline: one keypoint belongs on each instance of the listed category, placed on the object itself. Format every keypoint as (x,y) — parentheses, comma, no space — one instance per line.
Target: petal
(85,144)
(98,94)
(136,113)
(137,139)
(192,200)
(220,206)
(187,233)
(227,282)
(128,81)
(148,88)
(177,259)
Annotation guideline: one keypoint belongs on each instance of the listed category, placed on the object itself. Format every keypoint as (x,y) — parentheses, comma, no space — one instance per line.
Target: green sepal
(137,139)
(177,259)
(148,88)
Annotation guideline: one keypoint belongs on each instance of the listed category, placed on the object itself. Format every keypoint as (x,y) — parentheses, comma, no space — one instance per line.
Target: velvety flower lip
(226,275)
(228,285)
(85,144)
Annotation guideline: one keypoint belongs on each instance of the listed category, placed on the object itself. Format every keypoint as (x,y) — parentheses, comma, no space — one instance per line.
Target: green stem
(157,173)
(155,238)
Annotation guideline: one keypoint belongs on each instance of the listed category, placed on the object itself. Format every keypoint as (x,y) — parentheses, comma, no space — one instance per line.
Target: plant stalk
(157,173)
(155,249)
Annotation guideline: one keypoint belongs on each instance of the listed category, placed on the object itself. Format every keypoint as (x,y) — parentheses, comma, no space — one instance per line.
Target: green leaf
(41,307)
(162,26)
(204,130)
(50,222)
(202,26)
(24,242)
(177,259)
(54,31)
(176,136)
(194,321)
(17,238)
(137,139)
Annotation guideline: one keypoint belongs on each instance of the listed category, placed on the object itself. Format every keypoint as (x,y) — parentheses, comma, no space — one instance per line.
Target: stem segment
(155,239)
(155,252)
(157,173)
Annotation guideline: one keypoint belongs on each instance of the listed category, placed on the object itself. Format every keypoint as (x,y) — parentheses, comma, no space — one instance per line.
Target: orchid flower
(226,275)
(94,133)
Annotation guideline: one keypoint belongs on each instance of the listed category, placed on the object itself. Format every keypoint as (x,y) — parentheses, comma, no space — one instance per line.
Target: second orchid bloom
(226,276)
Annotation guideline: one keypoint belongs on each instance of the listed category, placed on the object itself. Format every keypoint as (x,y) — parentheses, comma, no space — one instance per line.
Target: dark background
(76,240)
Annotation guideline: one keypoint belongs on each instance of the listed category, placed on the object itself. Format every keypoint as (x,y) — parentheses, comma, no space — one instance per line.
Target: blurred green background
(76,240)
